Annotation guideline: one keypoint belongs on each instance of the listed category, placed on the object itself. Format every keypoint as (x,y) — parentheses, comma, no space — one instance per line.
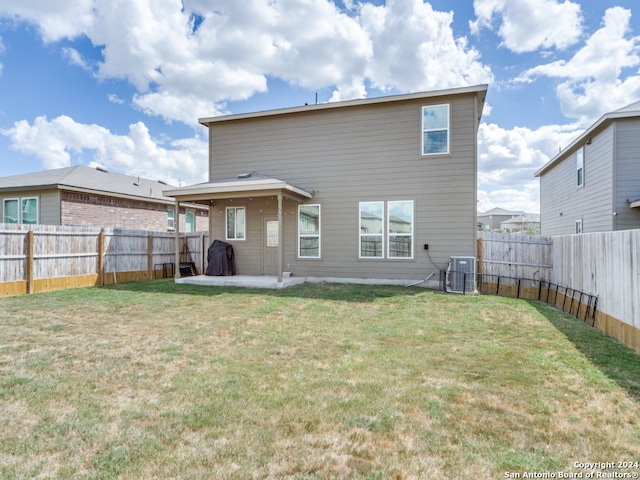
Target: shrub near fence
(36,258)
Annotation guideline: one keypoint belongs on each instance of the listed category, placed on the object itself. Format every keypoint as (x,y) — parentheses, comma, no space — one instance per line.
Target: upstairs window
(580,167)
(236,223)
(435,130)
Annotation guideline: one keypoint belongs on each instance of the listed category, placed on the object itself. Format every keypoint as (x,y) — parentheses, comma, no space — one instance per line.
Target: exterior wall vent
(461,275)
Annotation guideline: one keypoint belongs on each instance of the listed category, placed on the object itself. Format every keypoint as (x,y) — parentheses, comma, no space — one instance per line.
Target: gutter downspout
(280,238)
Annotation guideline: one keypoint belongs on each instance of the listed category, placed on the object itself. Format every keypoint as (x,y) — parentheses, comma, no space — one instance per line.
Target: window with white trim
(309,231)
(171,223)
(580,167)
(435,130)
(371,230)
(21,210)
(391,227)
(400,229)
(236,223)
(579,226)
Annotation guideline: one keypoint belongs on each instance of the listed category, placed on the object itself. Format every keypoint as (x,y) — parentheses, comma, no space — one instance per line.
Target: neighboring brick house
(81,195)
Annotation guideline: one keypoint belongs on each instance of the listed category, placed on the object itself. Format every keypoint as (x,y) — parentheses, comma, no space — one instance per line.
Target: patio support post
(176,225)
(280,239)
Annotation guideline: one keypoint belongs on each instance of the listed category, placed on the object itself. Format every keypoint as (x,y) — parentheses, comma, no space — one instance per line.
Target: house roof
(634,202)
(526,218)
(628,111)
(84,179)
(480,90)
(500,211)
(242,185)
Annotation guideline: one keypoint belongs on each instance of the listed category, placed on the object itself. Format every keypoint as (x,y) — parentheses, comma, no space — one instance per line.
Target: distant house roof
(628,111)
(500,211)
(527,218)
(80,178)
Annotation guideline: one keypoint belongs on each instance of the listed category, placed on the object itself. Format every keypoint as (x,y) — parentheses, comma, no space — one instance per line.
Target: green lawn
(156,380)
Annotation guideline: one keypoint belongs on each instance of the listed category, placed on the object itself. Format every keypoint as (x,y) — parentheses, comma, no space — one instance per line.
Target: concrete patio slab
(248,281)
(270,281)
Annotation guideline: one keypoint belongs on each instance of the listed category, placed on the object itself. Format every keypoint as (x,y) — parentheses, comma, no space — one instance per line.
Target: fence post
(479,266)
(101,256)
(150,256)
(30,257)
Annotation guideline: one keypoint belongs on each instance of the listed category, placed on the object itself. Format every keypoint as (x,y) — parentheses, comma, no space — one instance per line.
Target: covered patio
(244,186)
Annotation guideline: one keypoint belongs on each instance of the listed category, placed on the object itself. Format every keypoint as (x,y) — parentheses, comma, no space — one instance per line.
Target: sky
(121,84)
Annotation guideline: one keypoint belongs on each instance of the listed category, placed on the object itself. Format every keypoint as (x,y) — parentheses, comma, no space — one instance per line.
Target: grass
(157,380)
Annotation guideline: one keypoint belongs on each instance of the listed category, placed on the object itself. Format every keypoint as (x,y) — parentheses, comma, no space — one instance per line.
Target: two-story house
(379,188)
(593,185)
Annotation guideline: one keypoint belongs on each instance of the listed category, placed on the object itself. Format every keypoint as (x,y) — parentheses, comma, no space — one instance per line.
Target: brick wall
(103,211)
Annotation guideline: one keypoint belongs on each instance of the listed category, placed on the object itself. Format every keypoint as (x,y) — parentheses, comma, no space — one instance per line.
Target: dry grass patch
(157,380)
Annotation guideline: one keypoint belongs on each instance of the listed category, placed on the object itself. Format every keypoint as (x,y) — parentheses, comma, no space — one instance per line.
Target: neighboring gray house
(593,185)
(491,220)
(353,189)
(81,195)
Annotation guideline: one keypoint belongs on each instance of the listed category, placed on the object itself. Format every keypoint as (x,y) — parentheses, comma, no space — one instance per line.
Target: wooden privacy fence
(517,256)
(575,272)
(36,258)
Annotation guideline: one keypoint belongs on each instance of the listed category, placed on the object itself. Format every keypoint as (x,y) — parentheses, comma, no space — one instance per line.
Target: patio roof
(243,185)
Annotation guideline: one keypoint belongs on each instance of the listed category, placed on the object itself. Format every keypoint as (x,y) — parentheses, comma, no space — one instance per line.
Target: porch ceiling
(244,185)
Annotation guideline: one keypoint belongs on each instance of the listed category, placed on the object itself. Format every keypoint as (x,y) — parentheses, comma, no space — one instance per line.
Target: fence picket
(101,254)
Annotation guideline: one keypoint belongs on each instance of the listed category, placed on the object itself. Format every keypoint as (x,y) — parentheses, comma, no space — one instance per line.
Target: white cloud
(113,98)
(414,48)
(175,52)
(529,25)
(55,20)
(594,82)
(508,159)
(57,142)
(75,58)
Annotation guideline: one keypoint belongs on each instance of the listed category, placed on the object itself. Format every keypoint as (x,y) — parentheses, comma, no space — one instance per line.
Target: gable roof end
(628,111)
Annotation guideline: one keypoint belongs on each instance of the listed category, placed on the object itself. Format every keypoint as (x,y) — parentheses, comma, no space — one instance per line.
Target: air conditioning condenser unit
(461,275)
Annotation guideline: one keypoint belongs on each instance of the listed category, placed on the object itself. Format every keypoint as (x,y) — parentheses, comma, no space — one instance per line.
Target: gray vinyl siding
(346,156)
(627,173)
(562,202)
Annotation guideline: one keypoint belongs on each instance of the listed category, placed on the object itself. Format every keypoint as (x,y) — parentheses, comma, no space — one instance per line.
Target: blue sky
(121,83)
